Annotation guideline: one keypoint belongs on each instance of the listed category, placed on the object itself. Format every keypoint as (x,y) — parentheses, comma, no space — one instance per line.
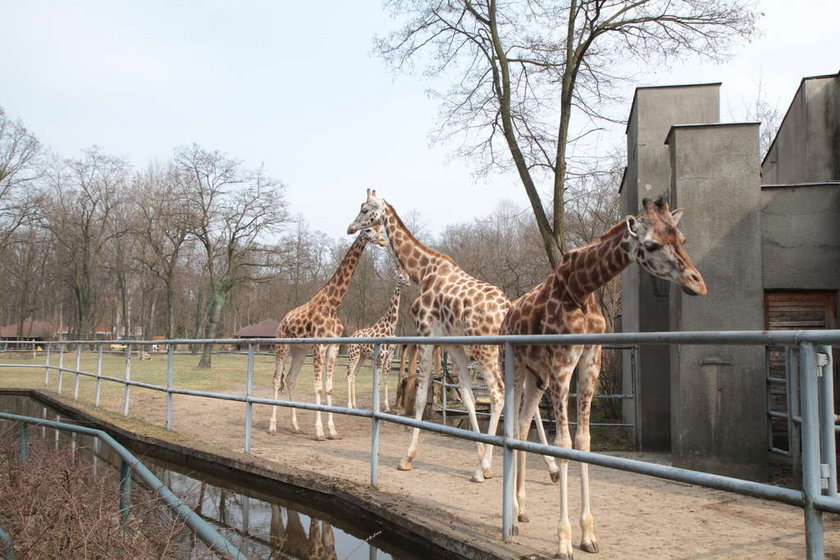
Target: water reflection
(262,525)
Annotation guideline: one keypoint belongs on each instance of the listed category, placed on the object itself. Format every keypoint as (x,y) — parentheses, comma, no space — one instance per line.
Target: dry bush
(56,505)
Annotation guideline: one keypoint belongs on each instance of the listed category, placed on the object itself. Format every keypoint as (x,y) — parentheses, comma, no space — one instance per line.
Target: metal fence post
(374,437)
(60,368)
(794,426)
(125,492)
(827,420)
(508,457)
(249,390)
(47,367)
(811,469)
(8,549)
(127,390)
(78,368)
(98,373)
(24,442)
(170,381)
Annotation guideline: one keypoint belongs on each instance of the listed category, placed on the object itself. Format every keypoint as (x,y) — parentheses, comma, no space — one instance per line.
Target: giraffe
(565,304)
(385,326)
(318,318)
(451,303)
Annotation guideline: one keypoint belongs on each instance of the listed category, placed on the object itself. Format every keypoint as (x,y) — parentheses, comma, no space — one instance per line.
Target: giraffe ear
(632,225)
(676,215)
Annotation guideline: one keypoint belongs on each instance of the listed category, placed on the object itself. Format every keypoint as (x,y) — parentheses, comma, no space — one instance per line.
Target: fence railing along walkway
(128,464)
(816,409)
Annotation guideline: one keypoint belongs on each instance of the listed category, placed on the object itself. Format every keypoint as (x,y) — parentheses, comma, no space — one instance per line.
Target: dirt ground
(635,516)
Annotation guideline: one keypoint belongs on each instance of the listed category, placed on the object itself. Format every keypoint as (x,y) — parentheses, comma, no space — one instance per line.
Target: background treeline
(201,246)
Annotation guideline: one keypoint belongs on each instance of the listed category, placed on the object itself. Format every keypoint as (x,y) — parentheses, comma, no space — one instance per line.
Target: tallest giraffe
(451,303)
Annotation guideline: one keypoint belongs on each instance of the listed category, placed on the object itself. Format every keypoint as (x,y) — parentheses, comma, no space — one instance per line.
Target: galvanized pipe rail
(129,463)
(816,454)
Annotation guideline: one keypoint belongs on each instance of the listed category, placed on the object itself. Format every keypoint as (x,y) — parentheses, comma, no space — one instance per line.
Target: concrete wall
(718,413)
(800,237)
(648,172)
(807,146)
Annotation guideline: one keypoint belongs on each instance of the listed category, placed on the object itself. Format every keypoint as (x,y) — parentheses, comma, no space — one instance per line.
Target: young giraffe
(386,326)
(451,303)
(565,304)
(318,318)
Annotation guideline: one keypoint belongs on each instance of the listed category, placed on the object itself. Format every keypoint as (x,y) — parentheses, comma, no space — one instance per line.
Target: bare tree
(519,70)
(84,196)
(235,210)
(19,169)
(165,223)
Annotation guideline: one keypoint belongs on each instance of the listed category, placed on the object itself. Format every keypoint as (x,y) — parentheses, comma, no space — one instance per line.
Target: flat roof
(790,106)
(708,125)
(671,86)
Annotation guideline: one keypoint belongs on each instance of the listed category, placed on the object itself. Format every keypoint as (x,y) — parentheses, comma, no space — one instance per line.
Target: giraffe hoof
(404,465)
(589,546)
(320,437)
(523,517)
(488,474)
(333,436)
(554,475)
(564,556)
(296,431)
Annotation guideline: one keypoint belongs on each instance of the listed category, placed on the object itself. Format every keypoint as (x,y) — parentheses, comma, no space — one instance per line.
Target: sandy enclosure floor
(635,516)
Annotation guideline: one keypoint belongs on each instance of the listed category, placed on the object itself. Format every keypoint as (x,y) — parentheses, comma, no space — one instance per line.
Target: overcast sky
(294,85)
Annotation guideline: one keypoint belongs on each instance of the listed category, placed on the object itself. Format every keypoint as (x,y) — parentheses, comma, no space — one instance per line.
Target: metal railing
(128,463)
(629,394)
(817,423)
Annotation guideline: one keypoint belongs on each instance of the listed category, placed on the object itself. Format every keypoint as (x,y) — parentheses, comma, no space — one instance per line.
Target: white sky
(294,85)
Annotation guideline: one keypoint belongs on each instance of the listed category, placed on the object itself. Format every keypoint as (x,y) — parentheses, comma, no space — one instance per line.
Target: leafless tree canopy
(510,74)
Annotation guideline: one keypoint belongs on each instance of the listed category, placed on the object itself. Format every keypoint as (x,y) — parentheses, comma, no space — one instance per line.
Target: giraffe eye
(652,246)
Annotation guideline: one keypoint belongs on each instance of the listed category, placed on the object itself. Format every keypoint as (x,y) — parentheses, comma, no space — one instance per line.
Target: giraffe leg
(459,357)
(425,354)
(298,355)
(567,359)
(332,354)
(352,367)
(588,372)
(527,396)
(277,381)
(550,462)
(384,370)
(318,365)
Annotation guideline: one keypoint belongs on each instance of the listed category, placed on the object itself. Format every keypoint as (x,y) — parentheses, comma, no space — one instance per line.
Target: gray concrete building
(766,238)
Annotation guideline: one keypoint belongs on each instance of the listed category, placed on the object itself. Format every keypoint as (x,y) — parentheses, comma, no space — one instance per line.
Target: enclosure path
(637,517)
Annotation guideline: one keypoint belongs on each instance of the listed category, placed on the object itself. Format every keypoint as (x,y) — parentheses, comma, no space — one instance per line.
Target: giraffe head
(372,212)
(375,234)
(403,279)
(657,245)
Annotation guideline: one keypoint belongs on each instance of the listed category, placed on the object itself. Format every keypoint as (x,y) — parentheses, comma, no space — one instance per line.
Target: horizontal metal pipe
(729,338)
(203,529)
(745,487)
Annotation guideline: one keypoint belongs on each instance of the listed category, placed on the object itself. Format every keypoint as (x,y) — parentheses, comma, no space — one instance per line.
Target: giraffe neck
(390,318)
(586,269)
(417,259)
(336,287)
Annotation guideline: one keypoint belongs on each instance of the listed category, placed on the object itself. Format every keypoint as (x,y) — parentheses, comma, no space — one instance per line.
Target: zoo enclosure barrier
(628,353)
(128,463)
(816,406)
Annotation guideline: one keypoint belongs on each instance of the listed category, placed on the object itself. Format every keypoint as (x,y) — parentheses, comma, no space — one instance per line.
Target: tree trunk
(214,313)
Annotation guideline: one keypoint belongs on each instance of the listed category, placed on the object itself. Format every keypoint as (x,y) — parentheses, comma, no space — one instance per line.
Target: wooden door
(794,310)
